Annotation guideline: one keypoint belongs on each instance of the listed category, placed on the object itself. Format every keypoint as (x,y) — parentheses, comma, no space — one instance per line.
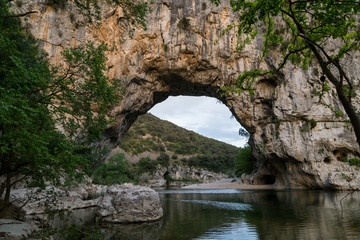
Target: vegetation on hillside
(149,133)
(118,170)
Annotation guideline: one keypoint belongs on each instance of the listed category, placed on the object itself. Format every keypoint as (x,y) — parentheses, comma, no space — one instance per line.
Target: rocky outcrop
(114,204)
(179,176)
(297,140)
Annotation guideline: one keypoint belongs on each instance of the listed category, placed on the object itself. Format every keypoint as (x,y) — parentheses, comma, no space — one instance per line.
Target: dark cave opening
(268,179)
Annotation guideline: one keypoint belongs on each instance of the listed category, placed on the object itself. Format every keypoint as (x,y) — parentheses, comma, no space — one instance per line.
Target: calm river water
(240,214)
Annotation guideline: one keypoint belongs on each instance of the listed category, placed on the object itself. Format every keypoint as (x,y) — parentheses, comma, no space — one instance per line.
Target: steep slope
(151,136)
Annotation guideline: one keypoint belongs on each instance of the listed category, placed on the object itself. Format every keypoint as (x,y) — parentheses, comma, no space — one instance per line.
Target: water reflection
(250,215)
(235,214)
(134,231)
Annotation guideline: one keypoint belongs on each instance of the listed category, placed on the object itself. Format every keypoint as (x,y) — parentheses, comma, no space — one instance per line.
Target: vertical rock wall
(296,139)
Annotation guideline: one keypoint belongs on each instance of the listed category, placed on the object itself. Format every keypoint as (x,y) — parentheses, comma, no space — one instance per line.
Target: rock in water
(14,230)
(128,203)
(113,204)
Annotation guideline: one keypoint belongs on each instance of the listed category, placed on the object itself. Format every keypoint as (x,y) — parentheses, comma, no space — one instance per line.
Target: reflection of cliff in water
(304,214)
(234,214)
(187,216)
(132,231)
(262,214)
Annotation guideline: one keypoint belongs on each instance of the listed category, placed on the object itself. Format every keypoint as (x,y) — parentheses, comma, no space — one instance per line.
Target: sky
(204,115)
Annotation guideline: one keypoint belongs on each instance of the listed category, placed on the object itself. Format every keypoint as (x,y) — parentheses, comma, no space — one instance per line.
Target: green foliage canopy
(326,31)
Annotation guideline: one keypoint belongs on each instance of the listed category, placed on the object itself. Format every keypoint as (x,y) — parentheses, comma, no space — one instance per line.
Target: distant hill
(151,134)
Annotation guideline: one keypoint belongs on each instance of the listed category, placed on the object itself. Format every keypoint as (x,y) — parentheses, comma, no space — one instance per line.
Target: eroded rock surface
(87,204)
(297,140)
(128,203)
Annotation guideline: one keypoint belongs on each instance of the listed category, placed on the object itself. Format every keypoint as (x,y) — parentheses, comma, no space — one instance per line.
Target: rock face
(87,204)
(298,141)
(128,203)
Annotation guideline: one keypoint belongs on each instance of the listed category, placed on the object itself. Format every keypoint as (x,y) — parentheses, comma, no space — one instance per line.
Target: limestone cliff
(177,55)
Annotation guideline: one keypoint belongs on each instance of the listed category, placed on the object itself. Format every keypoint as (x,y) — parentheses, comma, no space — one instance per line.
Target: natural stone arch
(140,98)
(171,58)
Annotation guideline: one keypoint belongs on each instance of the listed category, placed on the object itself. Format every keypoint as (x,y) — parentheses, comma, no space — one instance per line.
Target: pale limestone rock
(128,203)
(32,201)
(169,60)
(14,230)
(117,203)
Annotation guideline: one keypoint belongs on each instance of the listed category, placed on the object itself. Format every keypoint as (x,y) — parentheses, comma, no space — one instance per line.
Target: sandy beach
(228,184)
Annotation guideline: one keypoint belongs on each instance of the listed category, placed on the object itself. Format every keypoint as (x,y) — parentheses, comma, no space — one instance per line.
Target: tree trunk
(2,188)
(350,111)
(6,202)
(345,101)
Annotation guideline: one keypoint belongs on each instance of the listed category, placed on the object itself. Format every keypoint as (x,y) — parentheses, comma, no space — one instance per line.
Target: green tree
(244,162)
(326,30)
(48,114)
(116,170)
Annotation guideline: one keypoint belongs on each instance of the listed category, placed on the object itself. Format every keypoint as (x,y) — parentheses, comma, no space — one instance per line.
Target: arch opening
(142,95)
(206,116)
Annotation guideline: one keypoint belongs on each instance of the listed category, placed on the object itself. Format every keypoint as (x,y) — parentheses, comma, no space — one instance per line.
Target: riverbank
(230,183)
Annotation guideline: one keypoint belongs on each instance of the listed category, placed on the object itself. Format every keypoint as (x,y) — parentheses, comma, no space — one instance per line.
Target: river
(251,215)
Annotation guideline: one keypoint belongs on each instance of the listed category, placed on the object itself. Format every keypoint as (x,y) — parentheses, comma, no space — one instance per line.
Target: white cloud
(204,115)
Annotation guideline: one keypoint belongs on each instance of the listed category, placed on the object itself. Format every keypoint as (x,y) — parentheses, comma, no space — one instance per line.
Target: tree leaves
(49,114)
(326,31)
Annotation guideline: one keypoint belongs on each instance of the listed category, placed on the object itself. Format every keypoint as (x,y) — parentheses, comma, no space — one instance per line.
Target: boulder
(128,203)
(115,204)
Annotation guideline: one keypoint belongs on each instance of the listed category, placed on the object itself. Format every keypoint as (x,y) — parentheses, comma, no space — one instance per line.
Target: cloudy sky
(203,115)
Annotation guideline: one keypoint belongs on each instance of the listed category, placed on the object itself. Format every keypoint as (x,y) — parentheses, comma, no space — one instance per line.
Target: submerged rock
(14,230)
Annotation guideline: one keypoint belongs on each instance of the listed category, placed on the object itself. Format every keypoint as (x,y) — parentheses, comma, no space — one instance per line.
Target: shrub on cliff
(163,159)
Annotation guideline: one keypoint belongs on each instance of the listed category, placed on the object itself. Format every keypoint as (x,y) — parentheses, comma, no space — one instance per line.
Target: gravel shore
(228,184)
